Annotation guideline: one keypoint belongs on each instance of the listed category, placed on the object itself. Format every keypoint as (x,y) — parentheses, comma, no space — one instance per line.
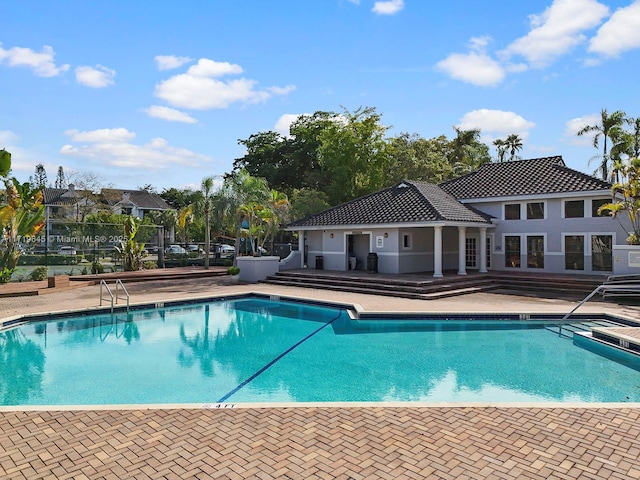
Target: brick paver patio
(319,441)
(323,442)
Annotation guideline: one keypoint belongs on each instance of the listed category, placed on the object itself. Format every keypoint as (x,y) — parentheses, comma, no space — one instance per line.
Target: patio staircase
(425,287)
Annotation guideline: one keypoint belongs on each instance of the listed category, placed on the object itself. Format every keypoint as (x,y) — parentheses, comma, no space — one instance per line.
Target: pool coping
(356,311)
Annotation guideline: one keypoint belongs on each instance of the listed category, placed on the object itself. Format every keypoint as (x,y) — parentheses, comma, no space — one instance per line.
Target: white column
(462,245)
(437,251)
(483,250)
(301,247)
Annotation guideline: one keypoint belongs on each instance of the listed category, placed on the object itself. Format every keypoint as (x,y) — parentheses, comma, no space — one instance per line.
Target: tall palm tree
(608,124)
(278,205)
(206,203)
(514,144)
(501,148)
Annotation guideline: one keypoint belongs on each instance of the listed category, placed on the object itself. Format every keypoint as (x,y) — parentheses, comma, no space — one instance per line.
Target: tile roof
(536,176)
(63,196)
(141,198)
(111,196)
(406,202)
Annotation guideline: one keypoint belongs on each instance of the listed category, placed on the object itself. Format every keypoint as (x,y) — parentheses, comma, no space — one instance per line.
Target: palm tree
(185,217)
(608,124)
(278,205)
(514,144)
(501,147)
(206,203)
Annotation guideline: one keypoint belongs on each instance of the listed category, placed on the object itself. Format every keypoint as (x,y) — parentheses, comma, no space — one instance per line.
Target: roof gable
(406,202)
(537,176)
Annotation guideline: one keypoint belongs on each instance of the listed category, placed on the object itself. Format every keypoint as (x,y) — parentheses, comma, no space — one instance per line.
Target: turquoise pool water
(253,350)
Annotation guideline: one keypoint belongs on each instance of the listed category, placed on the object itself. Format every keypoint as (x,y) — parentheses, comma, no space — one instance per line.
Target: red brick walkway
(323,443)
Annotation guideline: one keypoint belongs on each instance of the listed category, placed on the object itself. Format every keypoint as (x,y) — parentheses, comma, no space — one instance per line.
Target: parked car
(225,250)
(66,250)
(194,249)
(175,249)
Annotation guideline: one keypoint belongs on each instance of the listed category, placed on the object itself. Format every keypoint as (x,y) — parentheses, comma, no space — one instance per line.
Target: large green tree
(415,158)
(355,154)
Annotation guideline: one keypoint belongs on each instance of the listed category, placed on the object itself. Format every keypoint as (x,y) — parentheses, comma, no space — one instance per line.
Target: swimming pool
(261,350)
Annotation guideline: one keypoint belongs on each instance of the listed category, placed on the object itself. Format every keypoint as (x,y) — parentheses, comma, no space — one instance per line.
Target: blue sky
(135,93)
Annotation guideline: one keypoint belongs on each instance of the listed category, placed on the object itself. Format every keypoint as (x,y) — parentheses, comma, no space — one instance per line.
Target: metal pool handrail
(104,284)
(119,282)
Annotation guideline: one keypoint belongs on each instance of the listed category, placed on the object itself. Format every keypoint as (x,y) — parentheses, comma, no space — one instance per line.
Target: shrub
(149,265)
(5,275)
(97,267)
(233,270)
(39,273)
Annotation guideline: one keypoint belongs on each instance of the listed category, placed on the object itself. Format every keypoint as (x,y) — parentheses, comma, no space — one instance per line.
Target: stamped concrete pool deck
(324,441)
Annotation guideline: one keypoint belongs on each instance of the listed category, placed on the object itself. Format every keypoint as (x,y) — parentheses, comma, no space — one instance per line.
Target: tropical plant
(626,198)
(132,252)
(467,152)
(185,218)
(21,216)
(276,213)
(514,144)
(609,127)
(251,220)
(206,204)
(501,148)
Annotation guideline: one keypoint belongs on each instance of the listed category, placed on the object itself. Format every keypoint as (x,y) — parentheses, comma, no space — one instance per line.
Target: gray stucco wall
(554,227)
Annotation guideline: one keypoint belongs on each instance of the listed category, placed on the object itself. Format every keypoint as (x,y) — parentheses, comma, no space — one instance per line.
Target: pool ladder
(119,283)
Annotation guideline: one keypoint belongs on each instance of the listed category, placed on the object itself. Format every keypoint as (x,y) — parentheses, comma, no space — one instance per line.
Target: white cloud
(98,77)
(389,7)
(211,68)
(557,31)
(200,89)
(104,135)
(496,123)
(42,64)
(574,125)
(111,147)
(620,33)
(284,122)
(169,114)
(169,62)
(475,68)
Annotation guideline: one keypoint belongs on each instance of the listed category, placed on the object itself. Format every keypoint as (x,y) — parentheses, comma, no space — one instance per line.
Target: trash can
(372,262)
(319,262)
(352,263)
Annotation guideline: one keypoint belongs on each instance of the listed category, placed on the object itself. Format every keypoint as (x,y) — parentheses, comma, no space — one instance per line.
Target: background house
(532,215)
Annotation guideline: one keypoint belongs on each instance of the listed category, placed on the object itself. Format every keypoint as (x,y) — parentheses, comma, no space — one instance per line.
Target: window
(596,204)
(535,211)
(512,251)
(574,209)
(601,253)
(488,252)
(512,211)
(471,252)
(535,251)
(574,252)
(406,240)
